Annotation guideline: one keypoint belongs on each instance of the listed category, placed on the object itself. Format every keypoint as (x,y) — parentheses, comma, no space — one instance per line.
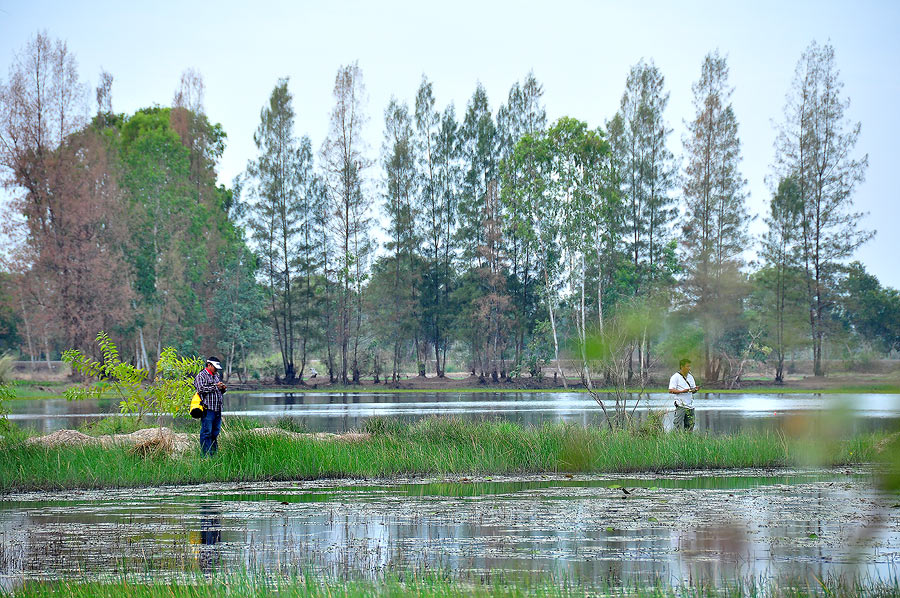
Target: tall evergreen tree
(478,145)
(815,145)
(523,114)
(278,185)
(310,263)
(239,304)
(435,217)
(779,293)
(345,162)
(714,228)
(400,182)
(638,134)
(448,187)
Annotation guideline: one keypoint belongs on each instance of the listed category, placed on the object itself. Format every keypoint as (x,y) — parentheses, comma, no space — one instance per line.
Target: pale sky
(580,51)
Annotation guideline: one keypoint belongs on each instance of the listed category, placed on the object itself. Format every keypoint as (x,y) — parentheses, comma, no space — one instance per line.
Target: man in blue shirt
(210,388)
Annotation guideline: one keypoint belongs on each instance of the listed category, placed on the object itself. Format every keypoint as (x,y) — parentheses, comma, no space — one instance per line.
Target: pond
(676,527)
(339,412)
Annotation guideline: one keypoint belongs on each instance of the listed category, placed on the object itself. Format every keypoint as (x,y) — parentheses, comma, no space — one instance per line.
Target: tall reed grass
(436,446)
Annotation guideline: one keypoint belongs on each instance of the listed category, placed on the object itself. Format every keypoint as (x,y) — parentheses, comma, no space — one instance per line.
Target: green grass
(434,585)
(436,446)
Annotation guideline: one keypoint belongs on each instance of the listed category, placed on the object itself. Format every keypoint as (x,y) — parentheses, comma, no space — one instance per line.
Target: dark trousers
(684,418)
(210,426)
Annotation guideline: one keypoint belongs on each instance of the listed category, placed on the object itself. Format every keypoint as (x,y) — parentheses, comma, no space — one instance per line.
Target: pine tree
(345,163)
(523,114)
(478,144)
(400,191)
(714,228)
(815,145)
(780,281)
(639,134)
(278,186)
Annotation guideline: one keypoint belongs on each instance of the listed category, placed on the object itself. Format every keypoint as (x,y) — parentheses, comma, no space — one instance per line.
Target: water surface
(339,412)
(677,527)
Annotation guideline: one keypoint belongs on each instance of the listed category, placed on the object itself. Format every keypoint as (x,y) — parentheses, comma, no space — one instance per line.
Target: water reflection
(339,412)
(675,527)
(209,555)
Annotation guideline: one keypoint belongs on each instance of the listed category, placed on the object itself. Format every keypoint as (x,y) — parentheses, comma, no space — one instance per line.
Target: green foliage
(239,307)
(684,339)
(6,364)
(9,319)
(6,393)
(169,393)
(539,350)
(435,446)
(872,311)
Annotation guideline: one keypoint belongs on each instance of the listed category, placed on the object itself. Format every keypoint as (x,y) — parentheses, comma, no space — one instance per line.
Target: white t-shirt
(678,382)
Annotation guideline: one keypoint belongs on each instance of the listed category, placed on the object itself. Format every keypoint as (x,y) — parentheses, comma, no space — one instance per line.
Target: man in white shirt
(682,385)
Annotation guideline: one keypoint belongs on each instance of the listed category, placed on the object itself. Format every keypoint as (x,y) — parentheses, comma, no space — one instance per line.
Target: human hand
(221,385)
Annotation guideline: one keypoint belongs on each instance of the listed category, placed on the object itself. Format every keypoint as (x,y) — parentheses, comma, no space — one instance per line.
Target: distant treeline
(506,241)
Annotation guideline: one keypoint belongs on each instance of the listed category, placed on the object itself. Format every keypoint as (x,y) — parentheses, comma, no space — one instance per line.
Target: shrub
(5,393)
(6,364)
(169,393)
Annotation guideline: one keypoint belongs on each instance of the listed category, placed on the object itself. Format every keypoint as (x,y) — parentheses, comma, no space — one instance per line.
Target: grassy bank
(438,586)
(428,447)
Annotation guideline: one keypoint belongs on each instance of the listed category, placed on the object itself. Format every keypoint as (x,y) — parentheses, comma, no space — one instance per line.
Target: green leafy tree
(239,305)
(539,350)
(537,218)
(578,182)
(168,393)
(777,289)
(178,226)
(871,310)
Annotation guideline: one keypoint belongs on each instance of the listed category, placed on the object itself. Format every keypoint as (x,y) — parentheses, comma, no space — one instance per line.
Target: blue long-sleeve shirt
(210,394)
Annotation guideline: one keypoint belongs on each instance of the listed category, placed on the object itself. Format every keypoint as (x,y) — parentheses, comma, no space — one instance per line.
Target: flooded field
(339,412)
(678,527)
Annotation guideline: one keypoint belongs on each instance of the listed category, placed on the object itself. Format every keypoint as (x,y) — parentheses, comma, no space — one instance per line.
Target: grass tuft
(433,446)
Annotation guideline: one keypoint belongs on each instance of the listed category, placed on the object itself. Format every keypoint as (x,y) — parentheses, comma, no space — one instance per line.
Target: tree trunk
(28,337)
(229,362)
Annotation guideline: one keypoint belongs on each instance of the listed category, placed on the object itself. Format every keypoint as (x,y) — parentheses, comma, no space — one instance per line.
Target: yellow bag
(197,407)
